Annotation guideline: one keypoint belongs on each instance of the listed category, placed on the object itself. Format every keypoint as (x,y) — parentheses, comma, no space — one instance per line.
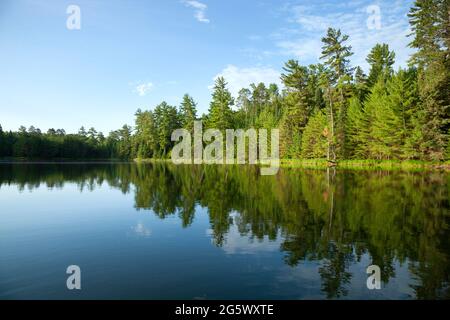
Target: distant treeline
(326,110)
(56,144)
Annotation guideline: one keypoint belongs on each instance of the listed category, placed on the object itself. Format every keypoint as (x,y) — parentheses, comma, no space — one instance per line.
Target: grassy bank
(351,164)
(367,164)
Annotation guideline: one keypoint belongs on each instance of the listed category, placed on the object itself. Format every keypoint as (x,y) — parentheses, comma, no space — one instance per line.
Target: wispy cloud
(143,88)
(238,78)
(200,10)
(308,24)
(141,230)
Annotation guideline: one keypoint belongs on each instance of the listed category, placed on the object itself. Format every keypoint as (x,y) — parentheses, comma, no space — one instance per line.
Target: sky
(135,54)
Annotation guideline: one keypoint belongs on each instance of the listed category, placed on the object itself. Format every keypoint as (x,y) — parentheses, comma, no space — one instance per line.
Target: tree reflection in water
(331,216)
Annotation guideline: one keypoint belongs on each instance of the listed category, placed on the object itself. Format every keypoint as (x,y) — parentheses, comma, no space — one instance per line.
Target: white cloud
(200,9)
(141,230)
(237,243)
(143,88)
(238,78)
(310,23)
(306,49)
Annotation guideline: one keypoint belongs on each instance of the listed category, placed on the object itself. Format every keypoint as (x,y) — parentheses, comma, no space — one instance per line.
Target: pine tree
(220,114)
(429,20)
(167,120)
(296,108)
(260,99)
(92,134)
(357,129)
(361,84)
(381,61)
(292,124)
(336,55)
(315,93)
(403,100)
(124,145)
(145,134)
(275,100)
(188,113)
(314,141)
(243,102)
(384,139)
(82,132)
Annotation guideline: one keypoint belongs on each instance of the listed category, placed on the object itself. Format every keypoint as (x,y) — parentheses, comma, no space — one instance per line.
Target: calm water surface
(159,231)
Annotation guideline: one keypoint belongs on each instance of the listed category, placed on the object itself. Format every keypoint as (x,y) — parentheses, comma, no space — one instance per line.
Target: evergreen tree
(336,55)
(125,139)
(188,113)
(315,93)
(381,61)
(243,102)
(384,138)
(314,141)
(260,99)
(357,130)
(220,113)
(361,84)
(145,134)
(92,135)
(167,120)
(82,132)
(403,100)
(429,20)
(296,108)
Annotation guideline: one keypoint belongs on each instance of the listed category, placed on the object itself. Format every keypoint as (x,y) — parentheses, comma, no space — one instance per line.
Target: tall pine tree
(430,23)
(336,54)
(220,113)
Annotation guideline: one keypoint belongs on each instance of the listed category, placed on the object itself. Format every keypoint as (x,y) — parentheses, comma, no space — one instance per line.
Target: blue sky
(136,53)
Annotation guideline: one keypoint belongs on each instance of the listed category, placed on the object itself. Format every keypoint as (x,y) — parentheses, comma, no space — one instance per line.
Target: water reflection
(336,220)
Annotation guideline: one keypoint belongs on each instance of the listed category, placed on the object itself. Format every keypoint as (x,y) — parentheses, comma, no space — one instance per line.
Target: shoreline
(349,164)
(410,165)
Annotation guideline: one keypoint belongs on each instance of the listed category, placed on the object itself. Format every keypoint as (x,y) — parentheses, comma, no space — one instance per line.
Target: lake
(160,231)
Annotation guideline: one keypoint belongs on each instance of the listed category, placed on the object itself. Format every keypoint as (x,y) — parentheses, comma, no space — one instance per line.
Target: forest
(329,110)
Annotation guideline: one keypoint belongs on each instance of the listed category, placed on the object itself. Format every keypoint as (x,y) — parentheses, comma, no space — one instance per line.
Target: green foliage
(357,126)
(167,120)
(220,113)
(296,108)
(258,107)
(33,144)
(335,82)
(292,124)
(145,138)
(381,61)
(188,113)
(314,142)
(385,123)
(361,85)
(430,23)
(336,53)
